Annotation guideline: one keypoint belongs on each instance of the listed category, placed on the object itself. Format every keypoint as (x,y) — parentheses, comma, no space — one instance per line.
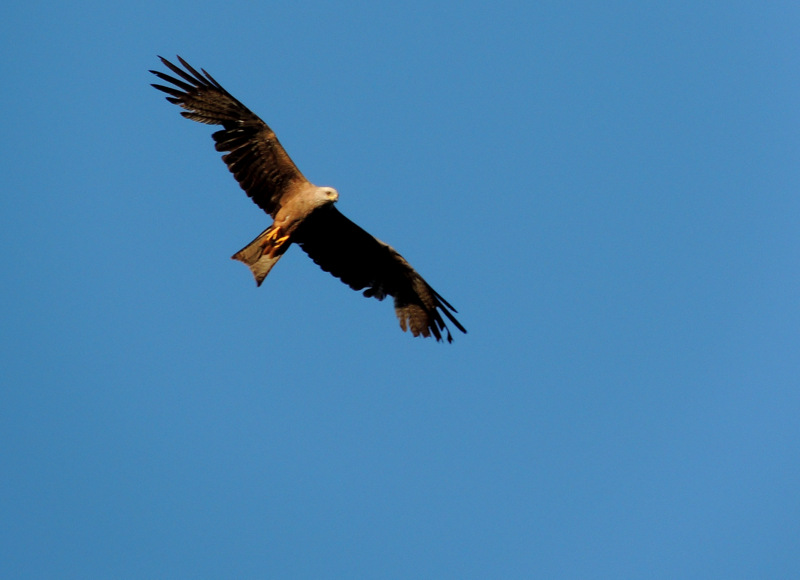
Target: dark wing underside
(361,261)
(255,157)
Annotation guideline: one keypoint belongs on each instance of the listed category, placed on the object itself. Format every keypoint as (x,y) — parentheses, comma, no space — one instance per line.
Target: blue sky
(607,192)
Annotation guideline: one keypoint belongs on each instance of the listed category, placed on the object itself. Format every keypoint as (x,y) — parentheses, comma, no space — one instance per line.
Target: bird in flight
(302,213)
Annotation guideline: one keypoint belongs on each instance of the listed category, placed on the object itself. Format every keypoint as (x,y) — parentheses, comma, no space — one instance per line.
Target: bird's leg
(273,236)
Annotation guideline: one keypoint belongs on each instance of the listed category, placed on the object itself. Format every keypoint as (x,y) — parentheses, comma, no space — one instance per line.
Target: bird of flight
(302,213)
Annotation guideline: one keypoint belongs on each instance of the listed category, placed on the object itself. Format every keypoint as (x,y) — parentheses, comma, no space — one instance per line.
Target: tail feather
(261,255)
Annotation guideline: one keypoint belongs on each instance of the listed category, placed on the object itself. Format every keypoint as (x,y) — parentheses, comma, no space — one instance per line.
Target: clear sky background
(607,192)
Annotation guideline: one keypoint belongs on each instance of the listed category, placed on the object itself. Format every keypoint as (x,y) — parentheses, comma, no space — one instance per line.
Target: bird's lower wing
(363,262)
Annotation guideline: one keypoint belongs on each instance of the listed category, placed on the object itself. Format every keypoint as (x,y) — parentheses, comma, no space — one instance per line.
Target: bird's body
(262,254)
(302,212)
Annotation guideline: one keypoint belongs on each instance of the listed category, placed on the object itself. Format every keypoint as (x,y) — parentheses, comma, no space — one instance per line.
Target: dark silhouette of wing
(255,157)
(362,261)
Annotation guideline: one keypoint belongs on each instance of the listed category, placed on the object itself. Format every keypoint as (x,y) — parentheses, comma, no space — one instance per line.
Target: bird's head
(329,194)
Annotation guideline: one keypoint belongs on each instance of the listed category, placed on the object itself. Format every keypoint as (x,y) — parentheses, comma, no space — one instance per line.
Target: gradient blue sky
(608,193)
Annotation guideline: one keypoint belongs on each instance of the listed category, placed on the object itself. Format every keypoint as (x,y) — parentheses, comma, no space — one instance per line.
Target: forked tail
(261,254)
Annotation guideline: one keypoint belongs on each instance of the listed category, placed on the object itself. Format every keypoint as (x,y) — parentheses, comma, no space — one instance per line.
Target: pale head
(328,194)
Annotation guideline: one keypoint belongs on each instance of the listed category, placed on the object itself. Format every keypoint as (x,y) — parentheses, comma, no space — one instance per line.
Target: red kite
(302,212)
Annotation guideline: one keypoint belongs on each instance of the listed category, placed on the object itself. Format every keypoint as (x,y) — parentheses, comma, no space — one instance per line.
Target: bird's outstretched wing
(363,262)
(254,156)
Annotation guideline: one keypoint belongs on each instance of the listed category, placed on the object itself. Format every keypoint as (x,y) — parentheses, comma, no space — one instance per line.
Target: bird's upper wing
(361,261)
(255,157)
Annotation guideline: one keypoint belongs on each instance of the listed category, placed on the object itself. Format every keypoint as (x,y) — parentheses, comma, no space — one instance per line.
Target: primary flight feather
(302,212)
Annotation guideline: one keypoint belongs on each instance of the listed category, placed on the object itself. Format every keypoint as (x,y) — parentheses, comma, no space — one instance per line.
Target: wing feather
(339,246)
(254,156)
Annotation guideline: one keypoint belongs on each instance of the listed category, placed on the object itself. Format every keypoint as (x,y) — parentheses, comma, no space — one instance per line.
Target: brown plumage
(302,212)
